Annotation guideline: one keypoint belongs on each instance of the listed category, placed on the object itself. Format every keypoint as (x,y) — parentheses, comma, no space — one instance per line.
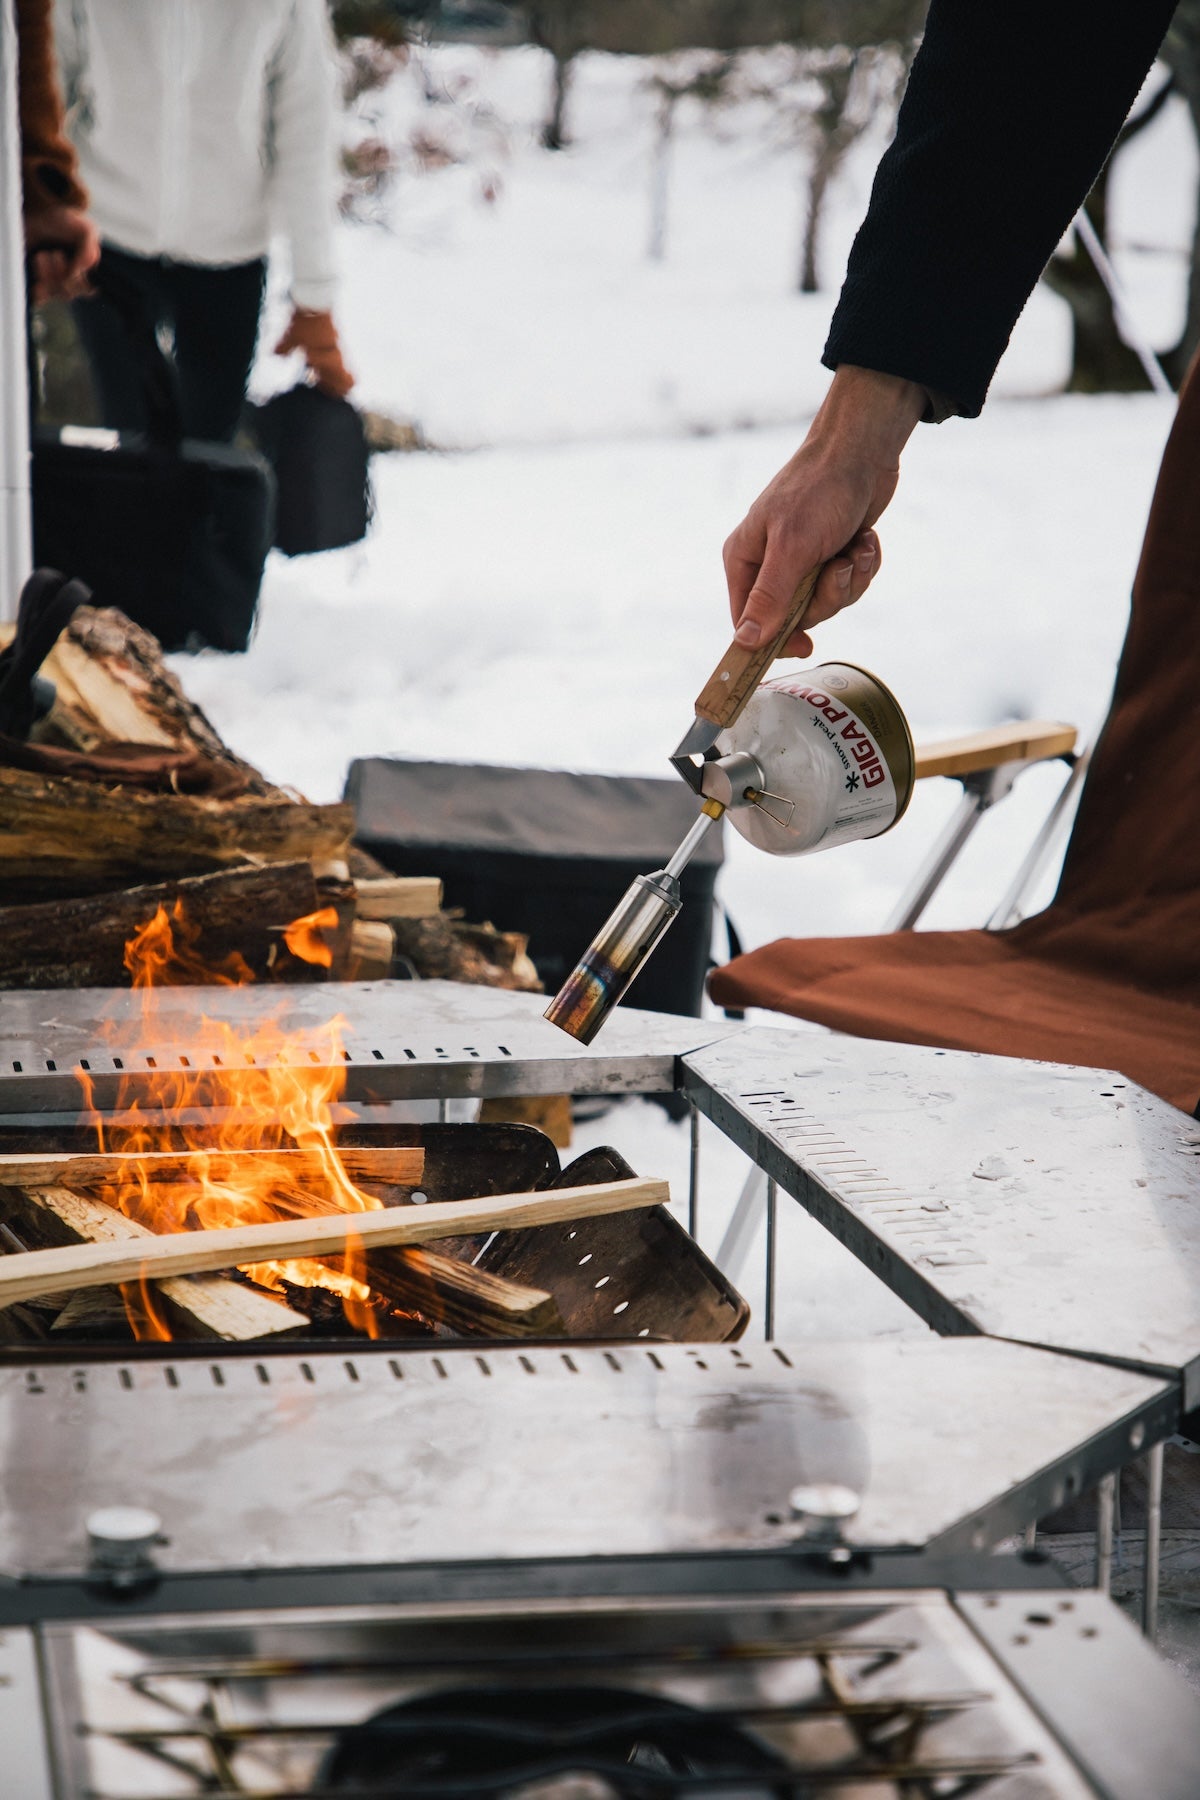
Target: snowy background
(603,421)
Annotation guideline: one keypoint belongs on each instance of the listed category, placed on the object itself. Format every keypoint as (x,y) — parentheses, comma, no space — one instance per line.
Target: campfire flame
(275,1091)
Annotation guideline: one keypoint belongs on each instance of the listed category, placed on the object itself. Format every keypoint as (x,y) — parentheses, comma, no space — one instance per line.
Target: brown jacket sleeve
(49,167)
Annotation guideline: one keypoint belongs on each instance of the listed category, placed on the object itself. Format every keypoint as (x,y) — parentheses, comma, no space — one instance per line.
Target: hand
(63,245)
(316,335)
(820,509)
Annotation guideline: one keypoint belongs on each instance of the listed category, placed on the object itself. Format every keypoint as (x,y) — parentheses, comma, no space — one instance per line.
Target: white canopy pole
(16,542)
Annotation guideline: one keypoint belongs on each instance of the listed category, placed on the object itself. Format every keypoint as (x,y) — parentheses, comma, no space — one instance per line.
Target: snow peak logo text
(847,728)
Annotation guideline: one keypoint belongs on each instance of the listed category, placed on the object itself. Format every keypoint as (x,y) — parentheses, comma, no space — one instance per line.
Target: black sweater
(1011,109)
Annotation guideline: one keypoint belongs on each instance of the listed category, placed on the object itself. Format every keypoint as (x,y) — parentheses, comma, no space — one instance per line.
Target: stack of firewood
(126,799)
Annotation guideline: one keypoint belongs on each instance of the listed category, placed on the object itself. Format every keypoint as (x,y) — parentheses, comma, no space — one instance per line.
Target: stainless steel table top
(398,1040)
(508,1454)
(1051,1205)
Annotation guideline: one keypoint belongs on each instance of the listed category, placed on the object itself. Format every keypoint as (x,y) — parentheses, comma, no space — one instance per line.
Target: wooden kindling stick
(394,1166)
(37,1272)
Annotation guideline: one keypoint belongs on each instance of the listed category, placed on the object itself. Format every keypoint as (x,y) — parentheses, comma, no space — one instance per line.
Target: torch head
(603,973)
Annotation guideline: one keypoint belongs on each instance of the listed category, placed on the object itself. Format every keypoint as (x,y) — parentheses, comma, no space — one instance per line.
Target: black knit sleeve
(1010,111)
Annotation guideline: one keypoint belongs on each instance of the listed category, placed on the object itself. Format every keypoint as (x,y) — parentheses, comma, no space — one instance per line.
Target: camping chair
(1108,975)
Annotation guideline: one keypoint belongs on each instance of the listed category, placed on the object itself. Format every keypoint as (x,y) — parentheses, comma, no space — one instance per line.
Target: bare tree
(1101,361)
(686,75)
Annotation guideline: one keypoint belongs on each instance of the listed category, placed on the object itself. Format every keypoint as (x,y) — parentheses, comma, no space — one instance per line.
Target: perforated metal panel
(1032,1201)
(398,1040)
(291,1462)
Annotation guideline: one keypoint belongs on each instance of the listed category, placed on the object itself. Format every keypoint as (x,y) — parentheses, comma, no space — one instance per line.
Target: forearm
(1011,109)
(49,168)
(868,417)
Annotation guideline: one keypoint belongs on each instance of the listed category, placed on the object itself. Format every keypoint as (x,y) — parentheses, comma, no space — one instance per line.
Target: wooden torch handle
(739,671)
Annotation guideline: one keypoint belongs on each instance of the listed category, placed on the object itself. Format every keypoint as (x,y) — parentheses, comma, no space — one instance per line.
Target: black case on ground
(172,530)
(175,535)
(317,447)
(548,853)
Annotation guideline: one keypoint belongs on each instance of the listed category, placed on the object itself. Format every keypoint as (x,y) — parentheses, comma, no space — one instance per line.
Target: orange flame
(275,1092)
(303,937)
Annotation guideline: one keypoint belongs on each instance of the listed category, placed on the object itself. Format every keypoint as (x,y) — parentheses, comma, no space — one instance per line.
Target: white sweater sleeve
(302,137)
(69,49)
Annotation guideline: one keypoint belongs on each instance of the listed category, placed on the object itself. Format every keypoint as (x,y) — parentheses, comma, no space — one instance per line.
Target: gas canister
(824,756)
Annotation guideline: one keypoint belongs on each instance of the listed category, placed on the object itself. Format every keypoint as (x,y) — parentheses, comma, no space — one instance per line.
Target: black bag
(548,853)
(172,531)
(316,445)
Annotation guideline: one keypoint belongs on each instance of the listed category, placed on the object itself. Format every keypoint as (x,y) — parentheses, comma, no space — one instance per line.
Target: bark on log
(208,1306)
(444,948)
(81,942)
(63,836)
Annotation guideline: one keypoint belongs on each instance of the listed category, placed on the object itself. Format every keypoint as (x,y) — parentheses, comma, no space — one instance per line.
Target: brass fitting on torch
(628,937)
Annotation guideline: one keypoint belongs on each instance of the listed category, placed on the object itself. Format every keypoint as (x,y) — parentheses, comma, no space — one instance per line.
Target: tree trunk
(554,133)
(660,174)
(1101,361)
(832,142)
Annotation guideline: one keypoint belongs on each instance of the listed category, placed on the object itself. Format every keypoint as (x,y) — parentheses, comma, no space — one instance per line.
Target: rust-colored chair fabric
(1109,974)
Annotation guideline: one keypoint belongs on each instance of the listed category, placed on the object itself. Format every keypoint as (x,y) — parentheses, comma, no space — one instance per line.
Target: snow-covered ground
(548,588)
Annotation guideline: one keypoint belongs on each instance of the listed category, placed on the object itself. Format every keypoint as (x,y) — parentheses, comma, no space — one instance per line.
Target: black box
(548,853)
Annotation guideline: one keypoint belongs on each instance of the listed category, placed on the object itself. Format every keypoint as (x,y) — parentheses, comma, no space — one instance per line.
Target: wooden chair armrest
(1025,740)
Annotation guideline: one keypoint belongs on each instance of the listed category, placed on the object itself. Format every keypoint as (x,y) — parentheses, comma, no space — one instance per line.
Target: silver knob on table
(823,1509)
(121,1542)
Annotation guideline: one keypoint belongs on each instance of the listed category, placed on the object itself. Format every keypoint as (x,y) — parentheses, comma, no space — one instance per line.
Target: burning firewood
(210,1306)
(456,1294)
(39,1272)
(395,1166)
(82,942)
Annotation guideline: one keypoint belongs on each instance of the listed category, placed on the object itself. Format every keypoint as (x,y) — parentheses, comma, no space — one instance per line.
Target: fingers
(846,577)
(742,556)
(48,273)
(332,375)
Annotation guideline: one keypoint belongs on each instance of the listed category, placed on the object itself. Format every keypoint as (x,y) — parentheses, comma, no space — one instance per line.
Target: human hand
(63,244)
(819,509)
(316,335)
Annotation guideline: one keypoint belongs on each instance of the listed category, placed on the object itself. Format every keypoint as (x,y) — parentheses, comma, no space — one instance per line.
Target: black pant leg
(216,328)
(114,366)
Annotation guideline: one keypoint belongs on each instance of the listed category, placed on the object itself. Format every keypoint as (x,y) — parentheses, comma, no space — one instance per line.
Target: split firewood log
(114,687)
(63,836)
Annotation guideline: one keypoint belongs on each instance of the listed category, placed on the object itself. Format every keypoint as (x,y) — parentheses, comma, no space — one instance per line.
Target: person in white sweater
(204,128)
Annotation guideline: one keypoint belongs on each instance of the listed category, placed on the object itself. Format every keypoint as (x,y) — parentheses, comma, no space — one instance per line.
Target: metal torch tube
(628,937)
